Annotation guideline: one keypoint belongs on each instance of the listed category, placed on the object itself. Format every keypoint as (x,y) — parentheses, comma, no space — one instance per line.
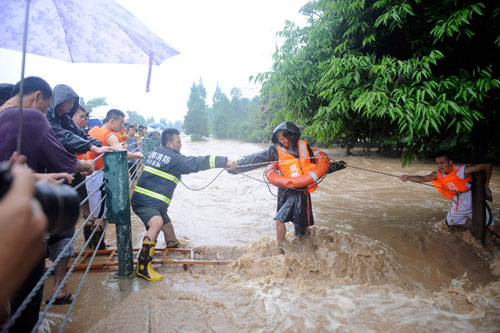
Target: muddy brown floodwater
(380,258)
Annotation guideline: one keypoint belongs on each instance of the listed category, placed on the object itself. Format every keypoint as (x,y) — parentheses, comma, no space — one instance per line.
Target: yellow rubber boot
(144,267)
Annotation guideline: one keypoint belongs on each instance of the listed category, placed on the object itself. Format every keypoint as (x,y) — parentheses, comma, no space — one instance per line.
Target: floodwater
(380,258)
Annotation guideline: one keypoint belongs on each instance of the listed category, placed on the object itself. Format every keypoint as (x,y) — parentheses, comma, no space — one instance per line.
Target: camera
(60,203)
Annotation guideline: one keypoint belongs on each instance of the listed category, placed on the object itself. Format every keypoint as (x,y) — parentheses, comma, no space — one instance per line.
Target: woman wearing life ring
(295,158)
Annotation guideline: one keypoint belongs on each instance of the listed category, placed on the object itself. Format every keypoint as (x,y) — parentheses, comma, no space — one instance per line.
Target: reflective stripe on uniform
(152,194)
(161,174)
(212,161)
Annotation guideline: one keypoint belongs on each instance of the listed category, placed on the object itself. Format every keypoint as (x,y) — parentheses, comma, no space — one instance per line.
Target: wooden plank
(110,263)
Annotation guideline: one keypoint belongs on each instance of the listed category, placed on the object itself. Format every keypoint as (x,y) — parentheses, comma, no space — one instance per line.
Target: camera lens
(60,203)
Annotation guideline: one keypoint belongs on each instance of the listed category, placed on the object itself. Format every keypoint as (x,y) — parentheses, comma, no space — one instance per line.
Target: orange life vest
(291,166)
(452,182)
(122,136)
(101,134)
(82,156)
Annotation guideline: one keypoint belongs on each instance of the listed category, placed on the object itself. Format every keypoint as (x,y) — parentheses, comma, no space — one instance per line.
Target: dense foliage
(419,75)
(92,103)
(196,119)
(238,118)
(136,118)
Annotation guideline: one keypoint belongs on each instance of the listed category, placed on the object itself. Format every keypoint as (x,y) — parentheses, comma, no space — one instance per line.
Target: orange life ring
(308,179)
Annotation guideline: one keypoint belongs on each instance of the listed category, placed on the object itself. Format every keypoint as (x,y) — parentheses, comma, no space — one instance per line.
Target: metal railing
(118,179)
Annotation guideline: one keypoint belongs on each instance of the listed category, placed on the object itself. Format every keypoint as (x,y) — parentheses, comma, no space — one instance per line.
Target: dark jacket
(163,170)
(74,139)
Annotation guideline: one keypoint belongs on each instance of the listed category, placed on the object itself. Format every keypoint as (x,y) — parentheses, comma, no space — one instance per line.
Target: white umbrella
(85,31)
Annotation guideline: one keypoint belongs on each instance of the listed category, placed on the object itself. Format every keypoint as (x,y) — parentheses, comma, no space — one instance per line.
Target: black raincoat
(74,139)
(293,205)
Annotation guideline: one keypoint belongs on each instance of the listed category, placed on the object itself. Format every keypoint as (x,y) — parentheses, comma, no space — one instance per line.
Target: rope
(82,281)
(134,176)
(44,277)
(391,175)
(89,195)
(70,271)
(278,161)
(243,173)
(268,183)
(201,188)
(87,178)
(75,173)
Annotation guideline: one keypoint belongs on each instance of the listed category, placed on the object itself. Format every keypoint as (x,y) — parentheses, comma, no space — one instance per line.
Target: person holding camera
(44,154)
(22,230)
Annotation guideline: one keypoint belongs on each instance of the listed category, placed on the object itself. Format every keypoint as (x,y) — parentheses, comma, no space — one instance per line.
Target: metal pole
(118,207)
(21,88)
(478,205)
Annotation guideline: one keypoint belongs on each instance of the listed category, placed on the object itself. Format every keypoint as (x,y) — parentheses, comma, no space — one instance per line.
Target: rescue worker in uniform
(457,178)
(295,159)
(154,191)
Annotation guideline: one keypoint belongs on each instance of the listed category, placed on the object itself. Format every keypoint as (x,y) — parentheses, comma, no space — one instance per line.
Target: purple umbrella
(85,31)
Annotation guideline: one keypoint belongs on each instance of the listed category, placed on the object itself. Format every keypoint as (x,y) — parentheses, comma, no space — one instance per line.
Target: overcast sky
(223,41)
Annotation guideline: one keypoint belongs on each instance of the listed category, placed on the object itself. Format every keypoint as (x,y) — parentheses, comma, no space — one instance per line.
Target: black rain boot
(87,230)
(144,267)
(97,236)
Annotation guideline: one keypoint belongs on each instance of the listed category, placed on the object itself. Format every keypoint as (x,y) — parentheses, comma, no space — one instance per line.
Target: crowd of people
(57,145)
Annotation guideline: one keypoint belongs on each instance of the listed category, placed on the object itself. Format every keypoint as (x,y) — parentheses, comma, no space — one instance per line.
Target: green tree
(136,119)
(164,122)
(220,114)
(93,103)
(235,118)
(422,73)
(179,125)
(196,119)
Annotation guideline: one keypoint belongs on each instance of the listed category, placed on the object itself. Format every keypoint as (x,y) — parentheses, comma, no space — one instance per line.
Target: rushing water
(380,258)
